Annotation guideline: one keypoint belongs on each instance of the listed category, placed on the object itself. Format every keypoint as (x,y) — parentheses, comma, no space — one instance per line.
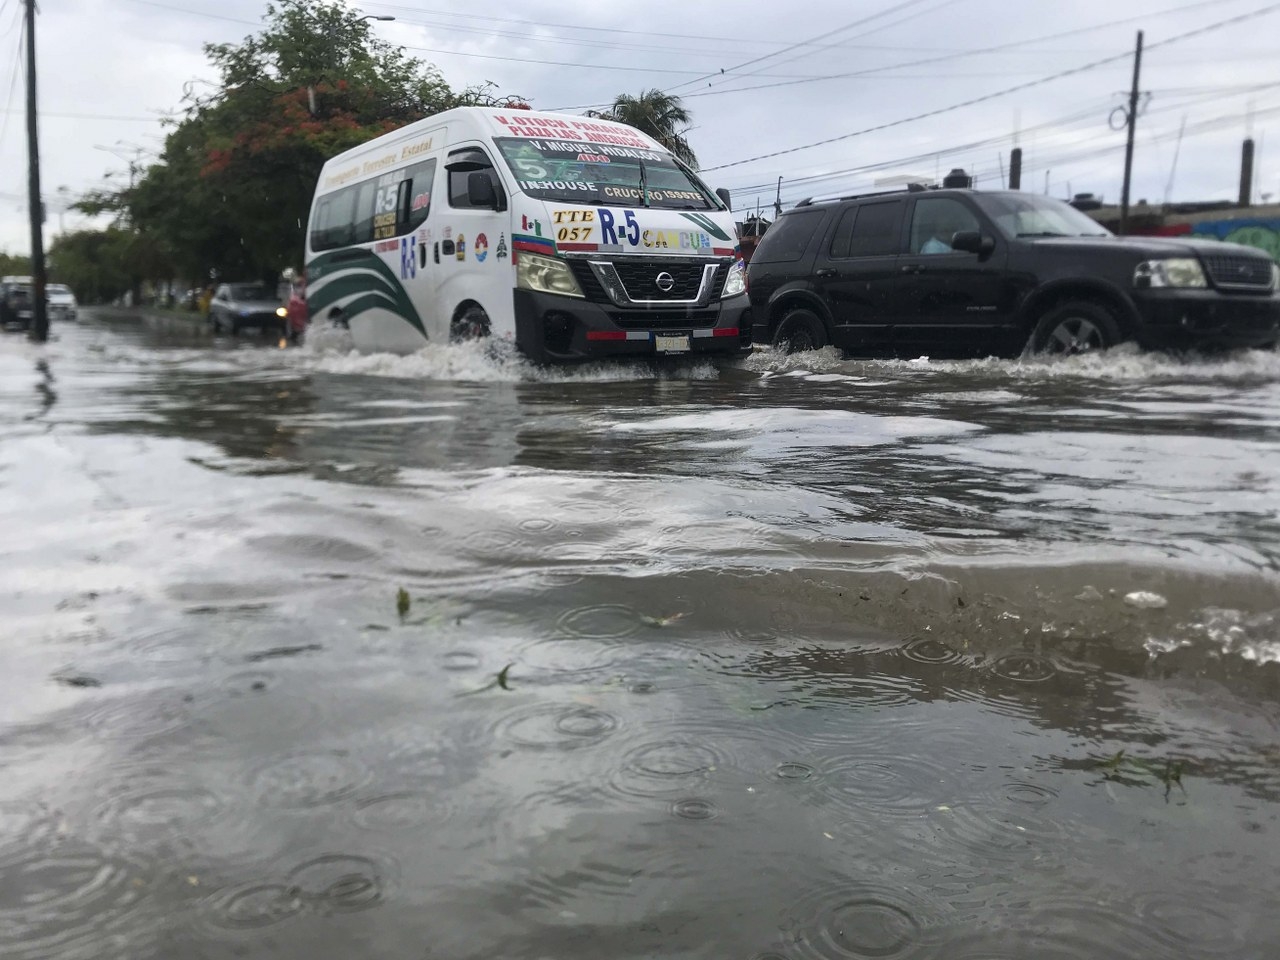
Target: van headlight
(1174,272)
(1275,276)
(281,312)
(546,275)
(736,282)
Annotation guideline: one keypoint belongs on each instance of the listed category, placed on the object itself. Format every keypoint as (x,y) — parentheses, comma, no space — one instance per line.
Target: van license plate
(671,344)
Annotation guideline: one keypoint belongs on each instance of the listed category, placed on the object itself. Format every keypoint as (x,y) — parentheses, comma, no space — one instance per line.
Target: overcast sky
(761,78)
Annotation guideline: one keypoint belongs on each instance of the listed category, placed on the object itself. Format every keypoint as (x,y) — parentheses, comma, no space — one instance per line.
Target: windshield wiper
(1044,233)
(644,184)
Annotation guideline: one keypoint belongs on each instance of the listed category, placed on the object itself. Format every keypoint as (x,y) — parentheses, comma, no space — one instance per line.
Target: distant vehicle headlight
(736,282)
(281,312)
(1174,272)
(546,275)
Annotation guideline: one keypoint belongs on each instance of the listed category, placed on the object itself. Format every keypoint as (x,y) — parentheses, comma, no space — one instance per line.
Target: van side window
(390,206)
(420,179)
(461,165)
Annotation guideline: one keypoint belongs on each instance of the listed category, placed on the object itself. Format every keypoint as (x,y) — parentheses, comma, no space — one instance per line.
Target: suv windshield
(574,172)
(1022,215)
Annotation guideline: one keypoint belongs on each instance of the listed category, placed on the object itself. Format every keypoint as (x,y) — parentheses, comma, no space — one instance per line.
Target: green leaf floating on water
(502,676)
(402,601)
(662,621)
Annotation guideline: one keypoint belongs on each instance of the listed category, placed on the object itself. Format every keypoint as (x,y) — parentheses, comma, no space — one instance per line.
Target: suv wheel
(800,330)
(1074,327)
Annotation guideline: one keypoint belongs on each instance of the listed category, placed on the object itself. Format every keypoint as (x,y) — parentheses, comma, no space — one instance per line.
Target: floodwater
(791,658)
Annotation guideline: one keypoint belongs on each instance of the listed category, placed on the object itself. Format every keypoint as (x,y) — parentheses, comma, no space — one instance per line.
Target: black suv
(962,273)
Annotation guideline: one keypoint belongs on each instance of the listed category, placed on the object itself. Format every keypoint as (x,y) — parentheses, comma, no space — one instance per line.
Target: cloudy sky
(831,96)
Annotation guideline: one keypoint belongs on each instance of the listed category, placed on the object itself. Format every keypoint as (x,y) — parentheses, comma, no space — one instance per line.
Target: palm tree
(661,115)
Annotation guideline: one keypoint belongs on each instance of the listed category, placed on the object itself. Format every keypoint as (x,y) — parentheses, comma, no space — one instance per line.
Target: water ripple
(66,900)
(304,780)
(552,726)
(251,906)
(339,882)
(857,920)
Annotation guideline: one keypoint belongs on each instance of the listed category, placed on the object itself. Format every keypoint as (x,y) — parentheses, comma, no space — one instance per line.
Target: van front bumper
(555,329)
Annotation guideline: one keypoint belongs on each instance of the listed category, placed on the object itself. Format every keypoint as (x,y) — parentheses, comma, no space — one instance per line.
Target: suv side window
(936,220)
(868,230)
(788,237)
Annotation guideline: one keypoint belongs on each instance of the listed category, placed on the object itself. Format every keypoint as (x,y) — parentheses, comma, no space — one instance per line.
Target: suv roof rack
(909,188)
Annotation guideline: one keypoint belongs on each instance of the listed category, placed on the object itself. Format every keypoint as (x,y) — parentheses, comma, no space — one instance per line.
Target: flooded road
(795,658)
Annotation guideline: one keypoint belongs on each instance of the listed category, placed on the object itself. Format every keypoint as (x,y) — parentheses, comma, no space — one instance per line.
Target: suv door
(856,271)
(949,301)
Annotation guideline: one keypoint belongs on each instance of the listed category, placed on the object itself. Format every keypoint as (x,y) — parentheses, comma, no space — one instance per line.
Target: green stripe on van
(707,224)
(360,274)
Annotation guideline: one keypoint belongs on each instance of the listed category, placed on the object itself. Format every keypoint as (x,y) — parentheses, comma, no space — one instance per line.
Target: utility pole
(1128,147)
(777,204)
(39,315)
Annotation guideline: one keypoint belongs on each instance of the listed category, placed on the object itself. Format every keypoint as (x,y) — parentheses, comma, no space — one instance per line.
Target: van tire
(471,324)
(800,330)
(1074,327)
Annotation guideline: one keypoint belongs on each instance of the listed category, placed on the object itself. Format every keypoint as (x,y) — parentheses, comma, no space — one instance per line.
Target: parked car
(236,306)
(15,302)
(62,302)
(963,273)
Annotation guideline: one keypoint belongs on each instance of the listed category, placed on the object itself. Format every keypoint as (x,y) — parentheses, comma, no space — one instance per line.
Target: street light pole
(39,315)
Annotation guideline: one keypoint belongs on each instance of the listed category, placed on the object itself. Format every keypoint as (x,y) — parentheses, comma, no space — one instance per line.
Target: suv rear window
(788,238)
(868,230)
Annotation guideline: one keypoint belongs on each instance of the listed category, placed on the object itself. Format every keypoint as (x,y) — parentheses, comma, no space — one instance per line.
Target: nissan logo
(665,281)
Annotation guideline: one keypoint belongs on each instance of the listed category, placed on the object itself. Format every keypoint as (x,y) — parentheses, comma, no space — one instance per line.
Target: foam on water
(331,351)
(1125,363)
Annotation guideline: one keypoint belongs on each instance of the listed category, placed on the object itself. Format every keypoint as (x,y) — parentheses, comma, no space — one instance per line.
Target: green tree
(94,263)
(662,116)
(11,265)
(232,188)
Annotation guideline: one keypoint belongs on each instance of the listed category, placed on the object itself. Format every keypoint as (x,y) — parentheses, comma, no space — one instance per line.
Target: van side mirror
(480,192)
(971,241)
(723,194)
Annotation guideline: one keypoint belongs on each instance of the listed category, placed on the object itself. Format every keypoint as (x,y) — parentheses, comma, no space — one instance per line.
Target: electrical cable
(1001,93)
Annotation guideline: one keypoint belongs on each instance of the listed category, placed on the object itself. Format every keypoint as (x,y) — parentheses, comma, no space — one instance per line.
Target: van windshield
(575,172)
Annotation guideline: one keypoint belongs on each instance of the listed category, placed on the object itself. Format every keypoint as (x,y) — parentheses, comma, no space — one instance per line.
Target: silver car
(236,306)
(62,302)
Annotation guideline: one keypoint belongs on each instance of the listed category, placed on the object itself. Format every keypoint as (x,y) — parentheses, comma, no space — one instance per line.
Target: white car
(62,302)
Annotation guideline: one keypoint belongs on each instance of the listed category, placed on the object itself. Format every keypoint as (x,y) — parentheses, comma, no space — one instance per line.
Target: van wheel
(1075,327)
(471,324)
(800,330)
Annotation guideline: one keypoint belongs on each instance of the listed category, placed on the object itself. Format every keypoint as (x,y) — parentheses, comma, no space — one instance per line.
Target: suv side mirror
(971,241)
(723,194)
(480,192)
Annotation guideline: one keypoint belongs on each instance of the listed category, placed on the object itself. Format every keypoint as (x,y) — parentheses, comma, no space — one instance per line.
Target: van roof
(466,123)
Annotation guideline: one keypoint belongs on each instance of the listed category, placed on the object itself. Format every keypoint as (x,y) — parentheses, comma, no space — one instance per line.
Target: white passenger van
(572,237)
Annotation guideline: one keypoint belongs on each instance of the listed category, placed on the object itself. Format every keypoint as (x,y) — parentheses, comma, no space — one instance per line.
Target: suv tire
(800,330)
(1075,327)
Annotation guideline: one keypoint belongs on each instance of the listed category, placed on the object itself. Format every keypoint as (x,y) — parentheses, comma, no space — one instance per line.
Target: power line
(952,56)
(1000,93)
(18,62)
(865,33)
(45,114)
(848,26)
